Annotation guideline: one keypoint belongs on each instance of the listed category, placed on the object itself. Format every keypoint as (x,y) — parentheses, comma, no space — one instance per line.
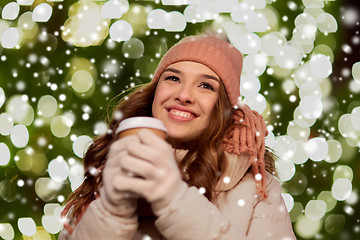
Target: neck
(181,144)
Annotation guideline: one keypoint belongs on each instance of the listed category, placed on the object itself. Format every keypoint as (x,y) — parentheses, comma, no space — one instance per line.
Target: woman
(206,181)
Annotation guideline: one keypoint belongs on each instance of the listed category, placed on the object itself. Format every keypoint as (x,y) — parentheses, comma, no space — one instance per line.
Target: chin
(180,134)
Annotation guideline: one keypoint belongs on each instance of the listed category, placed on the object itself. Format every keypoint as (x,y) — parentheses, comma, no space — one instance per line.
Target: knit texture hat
(220,56)
(248,131)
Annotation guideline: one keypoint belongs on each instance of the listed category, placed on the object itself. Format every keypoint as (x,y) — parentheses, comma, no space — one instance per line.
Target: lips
(181,114)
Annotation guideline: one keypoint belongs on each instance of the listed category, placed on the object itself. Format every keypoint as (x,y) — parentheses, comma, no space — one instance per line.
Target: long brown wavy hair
(201,166)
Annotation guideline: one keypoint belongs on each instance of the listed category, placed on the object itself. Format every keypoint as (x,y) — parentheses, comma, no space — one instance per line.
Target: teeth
(181,113)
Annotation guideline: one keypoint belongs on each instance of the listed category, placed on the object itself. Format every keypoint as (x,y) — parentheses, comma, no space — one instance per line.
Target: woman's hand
(155,174)
(118,202)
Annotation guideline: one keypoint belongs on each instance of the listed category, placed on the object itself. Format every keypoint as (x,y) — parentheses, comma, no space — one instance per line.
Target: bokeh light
(61,126)
(42,13)
(341,189)
(320,66)
(248,43)
(328,199)
(317,149)
(19,136)
(287,57)
(10,11)
(11,37)
(25,2)
(114,8)
(7,231)
(4,154)
(121,31)
(289,201)
(58,169)
(133,48)
(6,124)
(2,96)
(356,72)
(157,19)
(311,106)
(306,228)
(85,25)
(254,64)
(335,151)
(27,226)
(315,209)
(81,81)
(47,106)
(46,188)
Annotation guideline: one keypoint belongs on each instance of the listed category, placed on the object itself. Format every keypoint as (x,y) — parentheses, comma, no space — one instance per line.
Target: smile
(183,115)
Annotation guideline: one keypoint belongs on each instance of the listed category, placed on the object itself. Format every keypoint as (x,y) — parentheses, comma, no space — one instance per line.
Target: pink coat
(236,214)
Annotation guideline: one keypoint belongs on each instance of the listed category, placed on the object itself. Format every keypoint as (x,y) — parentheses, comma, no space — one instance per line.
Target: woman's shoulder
(271,180)
(246,188)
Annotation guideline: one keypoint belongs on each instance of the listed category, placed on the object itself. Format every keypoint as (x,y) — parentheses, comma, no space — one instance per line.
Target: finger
(123,197)
(138,167)
(128,194)
(113,161)
(138,186)
(121,144)
(143,151)
(118,195)
(160,148)
(151,139)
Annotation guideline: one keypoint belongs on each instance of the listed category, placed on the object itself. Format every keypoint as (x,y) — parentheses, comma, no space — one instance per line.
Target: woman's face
(184,99)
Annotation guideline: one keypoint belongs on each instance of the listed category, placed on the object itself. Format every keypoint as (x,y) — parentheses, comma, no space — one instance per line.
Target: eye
(207,86)
(173,78)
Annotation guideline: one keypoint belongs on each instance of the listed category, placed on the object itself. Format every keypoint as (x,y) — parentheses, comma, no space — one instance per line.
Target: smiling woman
(185,98)
(212,177)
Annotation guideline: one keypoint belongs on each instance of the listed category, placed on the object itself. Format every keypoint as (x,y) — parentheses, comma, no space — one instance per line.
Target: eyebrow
(207,76)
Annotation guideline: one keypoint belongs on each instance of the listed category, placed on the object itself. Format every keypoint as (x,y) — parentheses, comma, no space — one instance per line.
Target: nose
(185,95)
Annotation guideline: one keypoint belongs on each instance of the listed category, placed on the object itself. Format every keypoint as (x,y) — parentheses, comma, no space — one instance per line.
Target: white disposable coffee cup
(132,125)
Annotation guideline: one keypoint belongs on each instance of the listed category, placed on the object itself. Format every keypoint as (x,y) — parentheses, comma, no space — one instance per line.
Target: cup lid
(138,122)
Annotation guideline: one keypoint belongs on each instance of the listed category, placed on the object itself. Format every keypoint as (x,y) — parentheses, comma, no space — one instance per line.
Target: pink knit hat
(247,134)
(220,56)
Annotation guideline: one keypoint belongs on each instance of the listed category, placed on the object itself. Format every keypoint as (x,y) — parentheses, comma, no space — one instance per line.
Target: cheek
(159,99)
(208,106)
(155,107)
